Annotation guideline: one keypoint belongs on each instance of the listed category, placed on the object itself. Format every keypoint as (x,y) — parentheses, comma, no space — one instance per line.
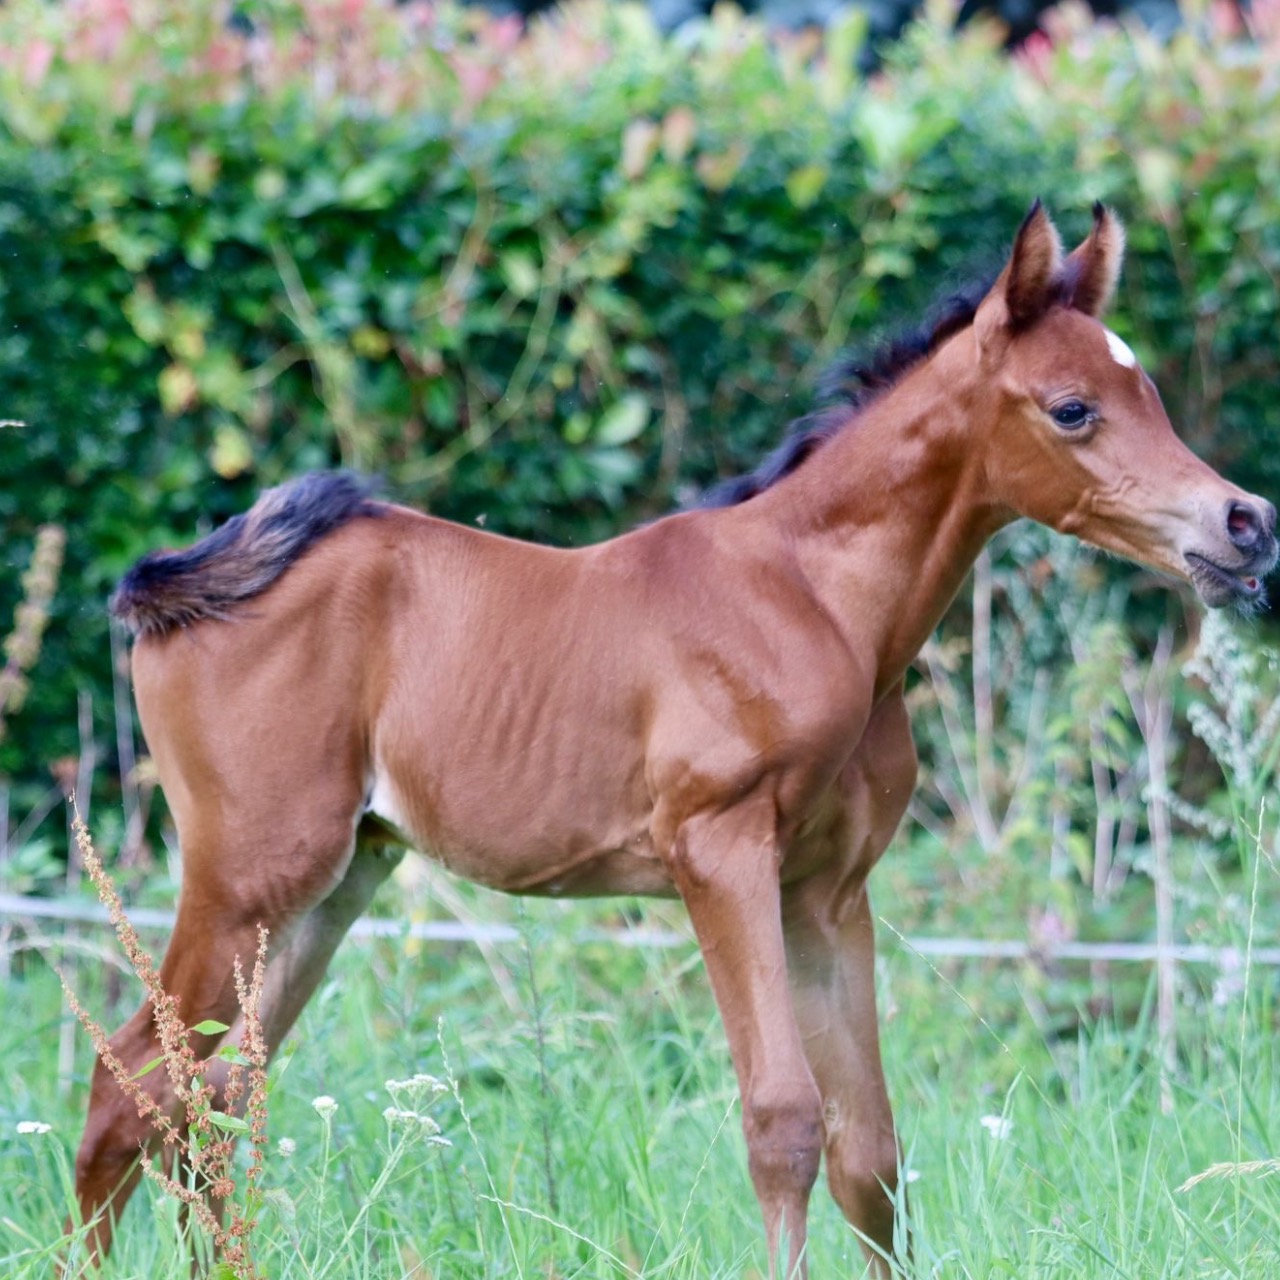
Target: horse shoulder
(757,699)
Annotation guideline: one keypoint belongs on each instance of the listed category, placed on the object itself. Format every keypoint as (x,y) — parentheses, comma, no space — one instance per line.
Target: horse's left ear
(1091,272)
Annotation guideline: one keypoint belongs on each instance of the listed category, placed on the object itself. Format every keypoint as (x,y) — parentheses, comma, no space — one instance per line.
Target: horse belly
(513,843)
(615,872)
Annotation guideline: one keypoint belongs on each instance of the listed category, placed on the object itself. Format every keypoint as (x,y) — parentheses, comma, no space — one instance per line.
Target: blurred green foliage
(556,280)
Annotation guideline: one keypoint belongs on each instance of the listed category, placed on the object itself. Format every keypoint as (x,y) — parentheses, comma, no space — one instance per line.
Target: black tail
(242,558)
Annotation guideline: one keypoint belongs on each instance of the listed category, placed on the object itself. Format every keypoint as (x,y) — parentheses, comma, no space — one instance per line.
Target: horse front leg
(833,981)
(830,944)
(726,868)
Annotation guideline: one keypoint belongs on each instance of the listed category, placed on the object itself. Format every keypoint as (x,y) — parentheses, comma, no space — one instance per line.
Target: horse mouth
(1217,585)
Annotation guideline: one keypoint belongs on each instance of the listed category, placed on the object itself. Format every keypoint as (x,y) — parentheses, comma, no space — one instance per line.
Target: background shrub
(553,282)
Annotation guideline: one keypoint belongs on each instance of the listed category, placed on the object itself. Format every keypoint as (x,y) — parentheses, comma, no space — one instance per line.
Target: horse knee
(784,1143)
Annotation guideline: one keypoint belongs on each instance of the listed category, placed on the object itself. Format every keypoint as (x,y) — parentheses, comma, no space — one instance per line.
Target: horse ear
(1093,269)
(1032,279)
(1029,285)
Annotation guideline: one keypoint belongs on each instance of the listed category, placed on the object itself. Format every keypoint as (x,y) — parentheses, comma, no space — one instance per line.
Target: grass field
(593,1125)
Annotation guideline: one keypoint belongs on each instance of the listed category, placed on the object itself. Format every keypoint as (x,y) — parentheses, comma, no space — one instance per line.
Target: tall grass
(1027,1156)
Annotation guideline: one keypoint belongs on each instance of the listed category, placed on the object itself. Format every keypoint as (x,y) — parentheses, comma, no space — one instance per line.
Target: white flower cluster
(417,1089)
(412,1097)
(33,1126)
(325,1106)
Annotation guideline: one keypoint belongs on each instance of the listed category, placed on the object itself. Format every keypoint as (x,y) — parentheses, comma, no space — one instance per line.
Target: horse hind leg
(227,893)
(198,972)
(296,970)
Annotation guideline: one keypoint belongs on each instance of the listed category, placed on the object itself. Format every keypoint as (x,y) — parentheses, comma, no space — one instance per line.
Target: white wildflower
(412,1097)
(999,1127)
(325,1106)
(911,1175)
(33,1126)
(419,1088)
(286,1147)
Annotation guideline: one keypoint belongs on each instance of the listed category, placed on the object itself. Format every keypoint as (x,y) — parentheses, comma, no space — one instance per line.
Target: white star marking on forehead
(1121,351)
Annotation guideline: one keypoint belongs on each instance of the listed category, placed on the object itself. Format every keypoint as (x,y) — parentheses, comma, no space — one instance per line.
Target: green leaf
(521,274)
(231,456)
(804,185)
(888,261)
(149,1068)
(883,126)
(177,388)
(232,1124)
(623,420)
(613,467)
(577,427)
(845,38)
(371,185)
(146,314)
(210,1027)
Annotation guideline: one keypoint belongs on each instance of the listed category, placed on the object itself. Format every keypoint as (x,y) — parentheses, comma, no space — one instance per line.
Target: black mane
(852,383)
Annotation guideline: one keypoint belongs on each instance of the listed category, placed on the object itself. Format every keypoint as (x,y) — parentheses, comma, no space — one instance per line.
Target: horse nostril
(1245,524)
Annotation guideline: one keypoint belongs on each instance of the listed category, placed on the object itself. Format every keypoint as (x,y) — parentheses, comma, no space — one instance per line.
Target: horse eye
(1070,414)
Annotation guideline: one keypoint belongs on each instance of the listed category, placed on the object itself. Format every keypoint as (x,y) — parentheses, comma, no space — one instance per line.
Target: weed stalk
(205,1140)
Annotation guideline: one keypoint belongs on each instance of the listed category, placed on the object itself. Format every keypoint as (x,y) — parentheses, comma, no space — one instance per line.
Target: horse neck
(889,516)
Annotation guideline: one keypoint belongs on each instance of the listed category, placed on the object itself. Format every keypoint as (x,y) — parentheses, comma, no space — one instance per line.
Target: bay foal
(710,706)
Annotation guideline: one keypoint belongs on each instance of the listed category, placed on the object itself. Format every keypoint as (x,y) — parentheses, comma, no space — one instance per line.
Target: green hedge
(552,282)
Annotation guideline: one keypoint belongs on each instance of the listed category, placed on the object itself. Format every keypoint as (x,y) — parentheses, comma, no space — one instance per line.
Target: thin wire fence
(18,907)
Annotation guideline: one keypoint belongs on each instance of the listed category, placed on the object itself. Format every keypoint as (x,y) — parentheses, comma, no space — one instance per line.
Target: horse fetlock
(776,1168)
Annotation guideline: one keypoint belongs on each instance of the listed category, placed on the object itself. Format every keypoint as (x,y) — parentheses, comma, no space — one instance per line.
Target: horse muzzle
(1233,572)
